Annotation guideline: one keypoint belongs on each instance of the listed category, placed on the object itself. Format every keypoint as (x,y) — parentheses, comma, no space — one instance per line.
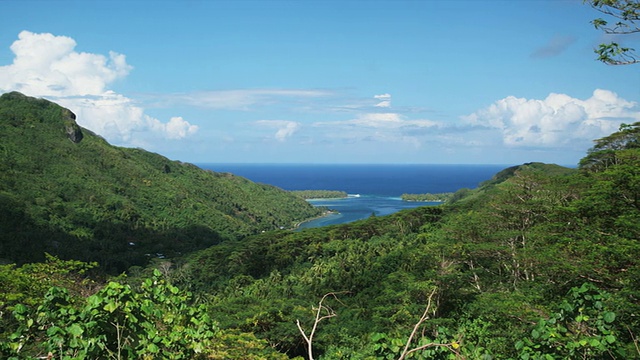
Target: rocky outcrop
(74,132)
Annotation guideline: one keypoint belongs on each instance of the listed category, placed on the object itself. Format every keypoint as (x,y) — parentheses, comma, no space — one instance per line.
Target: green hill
(539,262)
(471,196)
(66,191)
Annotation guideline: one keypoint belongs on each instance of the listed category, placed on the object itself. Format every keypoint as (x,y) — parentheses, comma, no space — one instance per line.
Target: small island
(319,194)
(439,197)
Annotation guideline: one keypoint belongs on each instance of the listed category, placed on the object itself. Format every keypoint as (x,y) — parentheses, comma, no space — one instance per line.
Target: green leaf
(582,342)
(610,339)
(53,330)
(535,333)
(110,306)
(609,317)
(153,348)
(75,330)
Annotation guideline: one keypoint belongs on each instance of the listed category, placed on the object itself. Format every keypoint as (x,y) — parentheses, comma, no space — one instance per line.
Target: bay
(353,208)
(374,189)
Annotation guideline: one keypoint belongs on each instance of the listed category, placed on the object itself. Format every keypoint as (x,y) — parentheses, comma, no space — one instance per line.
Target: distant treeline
(427,197)
(320,194)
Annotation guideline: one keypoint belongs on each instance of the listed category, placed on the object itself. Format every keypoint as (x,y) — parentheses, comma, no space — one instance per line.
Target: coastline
(324,214)
(324,199)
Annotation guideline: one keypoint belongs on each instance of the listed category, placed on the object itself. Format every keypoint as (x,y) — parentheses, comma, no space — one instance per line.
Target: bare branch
(423,318)
(322,312)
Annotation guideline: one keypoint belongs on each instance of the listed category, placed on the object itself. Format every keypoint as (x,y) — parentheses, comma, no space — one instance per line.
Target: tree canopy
(88,200)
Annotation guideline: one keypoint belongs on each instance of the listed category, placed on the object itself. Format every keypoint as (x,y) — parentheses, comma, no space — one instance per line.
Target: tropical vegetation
(438,197)
(67,192)
(539,262)
(320,194)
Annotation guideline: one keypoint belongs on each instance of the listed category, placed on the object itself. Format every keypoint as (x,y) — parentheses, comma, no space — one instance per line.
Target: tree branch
(423,318)
(329,313)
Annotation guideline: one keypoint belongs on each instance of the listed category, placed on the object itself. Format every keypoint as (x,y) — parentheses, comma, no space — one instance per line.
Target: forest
(439,197)
(118,253)
(320,194)
(67,192)
(539,262)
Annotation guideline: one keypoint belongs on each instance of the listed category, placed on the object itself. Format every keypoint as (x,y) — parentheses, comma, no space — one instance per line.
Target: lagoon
(379,186)
(353,208)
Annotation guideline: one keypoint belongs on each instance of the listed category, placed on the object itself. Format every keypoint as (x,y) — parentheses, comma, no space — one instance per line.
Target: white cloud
(48,66)
(116,117)
(178,128)
(244,99)
(556,121)
(380,127)
(385,100)
(380,120)
(285,128)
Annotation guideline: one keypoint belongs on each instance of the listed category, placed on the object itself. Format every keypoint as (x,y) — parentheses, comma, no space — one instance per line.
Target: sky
(334,81)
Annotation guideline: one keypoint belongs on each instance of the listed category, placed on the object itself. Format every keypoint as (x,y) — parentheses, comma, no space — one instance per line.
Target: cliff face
(74,132)
(92,201)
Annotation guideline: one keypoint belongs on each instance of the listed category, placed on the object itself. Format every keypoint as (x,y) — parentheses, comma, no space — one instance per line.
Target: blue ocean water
(357,207)
(374,189)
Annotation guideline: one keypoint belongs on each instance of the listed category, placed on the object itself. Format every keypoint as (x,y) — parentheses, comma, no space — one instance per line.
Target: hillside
(66,191)
(470,196)
(540,262)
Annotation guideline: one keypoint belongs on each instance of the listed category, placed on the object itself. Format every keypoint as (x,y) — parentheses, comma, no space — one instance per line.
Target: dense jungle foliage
(540,262)
(320,194)
(66,191)
(440,197)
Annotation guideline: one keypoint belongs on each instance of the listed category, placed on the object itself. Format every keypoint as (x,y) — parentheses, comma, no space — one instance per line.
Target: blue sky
(337,81)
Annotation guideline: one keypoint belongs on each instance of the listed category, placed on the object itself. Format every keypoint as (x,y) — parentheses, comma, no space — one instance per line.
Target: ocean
(373,189)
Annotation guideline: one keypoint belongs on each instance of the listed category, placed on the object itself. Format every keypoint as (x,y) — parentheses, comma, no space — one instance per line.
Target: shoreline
(324,214)
(321,199)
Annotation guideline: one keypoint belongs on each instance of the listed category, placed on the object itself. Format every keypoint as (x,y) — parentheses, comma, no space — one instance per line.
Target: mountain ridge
(101,200)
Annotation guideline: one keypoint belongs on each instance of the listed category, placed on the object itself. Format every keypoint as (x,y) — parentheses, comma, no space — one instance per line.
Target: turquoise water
(360,207)
(379,186)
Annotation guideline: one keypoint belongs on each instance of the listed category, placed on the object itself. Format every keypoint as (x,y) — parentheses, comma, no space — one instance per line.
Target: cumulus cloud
(556,45)
(46,65)
(556,121)
(285,128)
(178,128)
(116,117)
